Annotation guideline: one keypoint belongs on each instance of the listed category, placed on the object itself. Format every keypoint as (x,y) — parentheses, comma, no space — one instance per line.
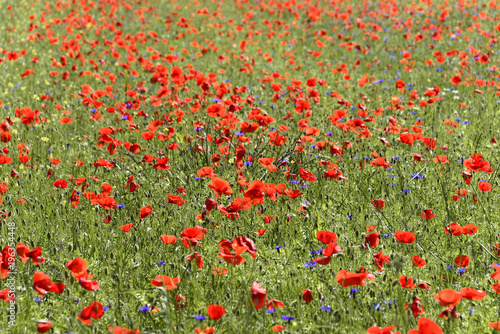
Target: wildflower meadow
(249,166)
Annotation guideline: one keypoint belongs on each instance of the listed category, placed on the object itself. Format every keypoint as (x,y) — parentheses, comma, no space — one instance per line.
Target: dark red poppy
(307,296)
(372,240)
(42,327)
(378,203)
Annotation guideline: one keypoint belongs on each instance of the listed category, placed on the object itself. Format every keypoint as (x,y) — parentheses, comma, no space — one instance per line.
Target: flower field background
(249,166)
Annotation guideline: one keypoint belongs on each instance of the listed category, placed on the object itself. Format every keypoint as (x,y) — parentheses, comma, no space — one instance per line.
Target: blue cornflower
(310,264)
(326,308)
(287,318)
(38,299)
(199,317)
(461,271)
(144,308)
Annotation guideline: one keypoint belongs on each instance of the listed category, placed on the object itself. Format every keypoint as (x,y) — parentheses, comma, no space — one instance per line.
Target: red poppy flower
(121,330)
(24,254)
(78,267)
(485,186)
(450,312)
(307,175)
(326,236)
(161,164)
(454,229)
(176,200)
(469,229)
(462,260)
(94,311)
(385,330)
(43,284)
(215,312)
(87,283)
(372,239)
(380,260)
(259,296)
(496,287)
(205,330)
(427,214)
(278,328)
(42,327)
(406,282)
(6,295)
(418,261)
(477,163)
(405,237)
(126,228)
(146,211)
(205,172)
(197,258)
(415,307)
(474,294)
(494,325)
(426,326)
(218,271)
(220,187)
(448,297)
(168,239)
(105,201)
(307,296)
(378,203)
(346,278)
(380,162)
(331,249)
(170,283)
(62,184)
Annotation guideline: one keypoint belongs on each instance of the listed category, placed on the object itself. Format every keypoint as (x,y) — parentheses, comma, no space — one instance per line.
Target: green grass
(125,263)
